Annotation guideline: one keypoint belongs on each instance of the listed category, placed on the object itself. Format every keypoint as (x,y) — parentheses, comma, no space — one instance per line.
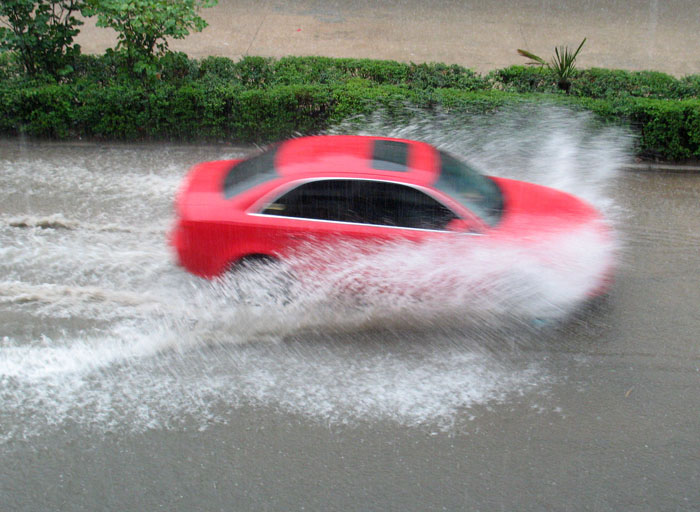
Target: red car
(327,190)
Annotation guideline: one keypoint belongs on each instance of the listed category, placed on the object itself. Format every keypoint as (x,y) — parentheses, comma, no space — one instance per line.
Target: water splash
(553,146)
(416,336)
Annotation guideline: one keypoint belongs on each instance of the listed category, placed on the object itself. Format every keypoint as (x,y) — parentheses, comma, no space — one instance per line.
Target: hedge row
(128,112)
(261,72)
(599,83)
(668,130)
(197,110)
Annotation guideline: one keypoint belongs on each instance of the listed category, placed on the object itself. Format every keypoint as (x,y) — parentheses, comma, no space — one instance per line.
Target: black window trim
(257,209)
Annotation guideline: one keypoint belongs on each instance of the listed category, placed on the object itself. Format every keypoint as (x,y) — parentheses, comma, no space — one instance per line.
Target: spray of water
(413,334)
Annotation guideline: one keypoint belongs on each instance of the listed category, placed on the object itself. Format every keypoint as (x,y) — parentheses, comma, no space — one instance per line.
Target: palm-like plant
(563,64)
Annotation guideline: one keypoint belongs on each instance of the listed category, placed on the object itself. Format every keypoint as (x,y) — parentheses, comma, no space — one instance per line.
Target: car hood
(530,208)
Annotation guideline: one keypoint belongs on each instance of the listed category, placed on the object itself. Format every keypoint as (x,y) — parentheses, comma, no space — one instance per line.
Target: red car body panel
(535,210)
(213,232)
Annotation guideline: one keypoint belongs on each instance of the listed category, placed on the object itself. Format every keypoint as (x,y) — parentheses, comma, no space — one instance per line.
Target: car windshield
(251,172)
(473,190)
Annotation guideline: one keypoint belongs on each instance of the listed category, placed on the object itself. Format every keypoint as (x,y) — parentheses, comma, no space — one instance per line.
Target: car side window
(364,202)
(322,199)
(393,204)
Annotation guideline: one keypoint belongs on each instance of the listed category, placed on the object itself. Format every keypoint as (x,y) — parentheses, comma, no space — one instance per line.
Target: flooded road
(127,384)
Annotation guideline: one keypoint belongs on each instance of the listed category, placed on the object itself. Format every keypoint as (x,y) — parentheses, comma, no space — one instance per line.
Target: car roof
(357,155)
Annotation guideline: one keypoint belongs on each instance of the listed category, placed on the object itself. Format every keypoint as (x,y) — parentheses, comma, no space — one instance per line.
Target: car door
(329,217)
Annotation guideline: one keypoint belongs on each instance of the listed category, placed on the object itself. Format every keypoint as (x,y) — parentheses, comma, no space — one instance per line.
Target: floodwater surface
(127,384)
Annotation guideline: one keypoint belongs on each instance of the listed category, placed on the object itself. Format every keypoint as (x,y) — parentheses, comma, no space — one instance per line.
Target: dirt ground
(479,34)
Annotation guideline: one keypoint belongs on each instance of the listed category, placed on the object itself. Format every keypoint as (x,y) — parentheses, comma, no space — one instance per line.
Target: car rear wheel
(261,280)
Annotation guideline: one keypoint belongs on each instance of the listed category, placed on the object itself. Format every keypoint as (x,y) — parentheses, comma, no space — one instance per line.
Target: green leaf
(532,56)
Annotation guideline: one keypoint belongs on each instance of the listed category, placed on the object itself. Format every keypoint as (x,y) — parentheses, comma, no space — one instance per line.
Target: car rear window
(251,172)
(389,155)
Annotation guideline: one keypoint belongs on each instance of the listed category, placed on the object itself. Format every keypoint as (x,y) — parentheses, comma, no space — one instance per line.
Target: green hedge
(165,112)
(258,99)
(668,129)
(599,83)
(261,72)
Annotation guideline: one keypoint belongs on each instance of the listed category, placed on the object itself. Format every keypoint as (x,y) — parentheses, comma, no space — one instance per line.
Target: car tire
(262,281)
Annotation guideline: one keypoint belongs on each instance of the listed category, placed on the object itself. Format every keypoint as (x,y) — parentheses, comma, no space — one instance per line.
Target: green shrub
(692,128)
(387,72)
(254,72)
(442,76)
(176,67)
(114,67)
(667,129)
(316,70)
(598,83)
(259,72)
(144,27)
(562,64)
(359,97)
(474,102)
(42,111)
(218,68)
(101,69)
(524,79)
(605,83)
(41,34)
(196,110)
(114,112)
(689,86)
(10,68)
